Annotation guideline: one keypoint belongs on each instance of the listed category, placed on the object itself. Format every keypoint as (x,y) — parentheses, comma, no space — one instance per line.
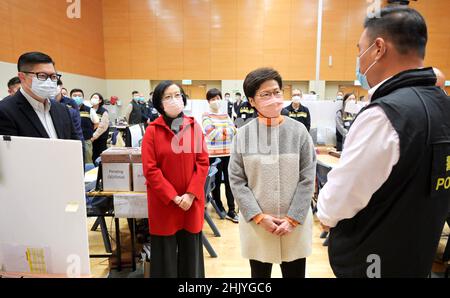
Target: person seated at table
(343,121)
(175,163)
(297,111)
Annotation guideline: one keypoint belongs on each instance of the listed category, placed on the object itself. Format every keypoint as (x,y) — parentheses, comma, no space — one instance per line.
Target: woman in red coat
(176,164)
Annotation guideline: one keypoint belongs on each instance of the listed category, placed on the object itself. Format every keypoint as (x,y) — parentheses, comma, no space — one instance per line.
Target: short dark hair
(76,90)
(213,93)
(238,93)
(403,26)
(227,94)
(60,83)
(101,98)
(256,78)
(158,94)
(134,92)
(28,60)
(13,81)
(64,89)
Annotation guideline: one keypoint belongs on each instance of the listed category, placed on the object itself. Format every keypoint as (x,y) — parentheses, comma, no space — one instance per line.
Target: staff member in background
(13,86)
(89,122)
(175,161)
(151,113)
(389,223)
(297,111)
(343,122)
(237,104)
(340,96)
(64,92)
(230,105)
(100,137)
(135,112)
(273,186)
(245,113)
(73,110)
(29,112)
(219,132)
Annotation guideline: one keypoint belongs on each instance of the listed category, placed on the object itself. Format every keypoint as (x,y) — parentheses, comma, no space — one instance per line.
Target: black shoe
(233,216)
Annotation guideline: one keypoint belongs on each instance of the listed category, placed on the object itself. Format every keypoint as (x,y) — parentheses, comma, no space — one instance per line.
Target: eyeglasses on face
(42,76)
(268,94)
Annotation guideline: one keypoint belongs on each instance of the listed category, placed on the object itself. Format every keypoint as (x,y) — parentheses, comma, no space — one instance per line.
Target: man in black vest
(387,200)
(136,109)
(297,111)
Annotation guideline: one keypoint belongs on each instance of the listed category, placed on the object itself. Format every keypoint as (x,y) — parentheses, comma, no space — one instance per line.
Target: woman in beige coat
(272,170)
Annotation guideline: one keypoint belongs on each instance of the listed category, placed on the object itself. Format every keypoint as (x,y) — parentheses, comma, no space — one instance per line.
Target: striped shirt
(219,132)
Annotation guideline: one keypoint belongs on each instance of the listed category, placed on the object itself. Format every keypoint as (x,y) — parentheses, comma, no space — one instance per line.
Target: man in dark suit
(29,112)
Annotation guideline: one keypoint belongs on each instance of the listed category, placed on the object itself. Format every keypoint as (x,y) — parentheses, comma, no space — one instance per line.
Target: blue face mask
(78,100)
(362,78)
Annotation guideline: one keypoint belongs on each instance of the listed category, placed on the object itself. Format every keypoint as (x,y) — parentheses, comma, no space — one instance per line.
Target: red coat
(174,165)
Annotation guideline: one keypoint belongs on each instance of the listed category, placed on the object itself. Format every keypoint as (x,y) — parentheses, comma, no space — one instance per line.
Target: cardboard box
(138,172)
(116,169)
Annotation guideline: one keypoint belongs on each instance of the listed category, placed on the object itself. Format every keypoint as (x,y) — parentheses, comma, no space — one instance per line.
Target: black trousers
(177,256)
(98,146)
(223,168)
(294,269)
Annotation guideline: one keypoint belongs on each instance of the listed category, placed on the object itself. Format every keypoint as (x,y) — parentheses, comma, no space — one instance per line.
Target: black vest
(403,221)
(136,113)
(100,112)
(86,124)
(347,120)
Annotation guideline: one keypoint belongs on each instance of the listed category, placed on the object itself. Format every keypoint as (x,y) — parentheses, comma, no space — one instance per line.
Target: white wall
(89,85)
(123,89)
(7,72)
(233,86)
(332,88)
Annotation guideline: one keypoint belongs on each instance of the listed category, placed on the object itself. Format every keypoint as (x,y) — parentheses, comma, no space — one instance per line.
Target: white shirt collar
(37,106)
(375,88)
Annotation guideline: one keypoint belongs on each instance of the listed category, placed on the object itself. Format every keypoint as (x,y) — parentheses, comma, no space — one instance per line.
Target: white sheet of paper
(130,206)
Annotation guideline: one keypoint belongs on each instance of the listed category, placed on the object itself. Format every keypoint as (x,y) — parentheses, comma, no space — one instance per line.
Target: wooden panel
(277,32)
(303,41)
(224,22)
(342,26)
(143,42)
(209,40)
(435,13)
(196,40)
(250,36)
(6,46)
(169,54)
(76,45)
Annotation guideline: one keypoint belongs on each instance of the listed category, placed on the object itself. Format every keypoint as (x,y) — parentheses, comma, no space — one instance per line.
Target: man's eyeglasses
(268,94)
(42,76)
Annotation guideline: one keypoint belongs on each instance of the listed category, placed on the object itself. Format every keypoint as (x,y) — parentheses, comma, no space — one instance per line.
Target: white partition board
(42,205)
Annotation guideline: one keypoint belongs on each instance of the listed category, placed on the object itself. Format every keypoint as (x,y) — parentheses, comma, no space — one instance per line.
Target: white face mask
(95,101)
(215,105)
(296,99)
(45,89)
(340,97)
